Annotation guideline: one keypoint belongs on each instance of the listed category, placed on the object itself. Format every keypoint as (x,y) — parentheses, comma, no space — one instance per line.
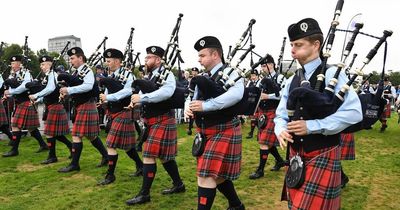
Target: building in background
(57,44)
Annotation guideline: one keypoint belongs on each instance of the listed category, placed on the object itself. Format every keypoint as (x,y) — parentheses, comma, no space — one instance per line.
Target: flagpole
(345,36)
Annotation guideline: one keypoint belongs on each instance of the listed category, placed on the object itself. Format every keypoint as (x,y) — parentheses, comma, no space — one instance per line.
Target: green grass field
(26,184)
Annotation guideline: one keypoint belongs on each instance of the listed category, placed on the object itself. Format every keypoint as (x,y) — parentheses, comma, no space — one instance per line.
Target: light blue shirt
(163,93)
(349,112)
(231,97)
(1,81)
(20,89)
(50,86)
(87,84)
(126,91)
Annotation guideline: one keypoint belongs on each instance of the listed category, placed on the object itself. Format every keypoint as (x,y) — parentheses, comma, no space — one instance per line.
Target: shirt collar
(215,68)
(310,67)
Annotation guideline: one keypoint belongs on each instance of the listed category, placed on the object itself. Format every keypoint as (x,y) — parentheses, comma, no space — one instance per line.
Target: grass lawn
(26,184)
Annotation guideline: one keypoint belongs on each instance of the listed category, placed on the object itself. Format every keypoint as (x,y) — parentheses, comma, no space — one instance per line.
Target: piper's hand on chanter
(63,91)
(196,106)
(135,100)
(32,97)
(297,127)
(188,114)
(283,138)
(103,98)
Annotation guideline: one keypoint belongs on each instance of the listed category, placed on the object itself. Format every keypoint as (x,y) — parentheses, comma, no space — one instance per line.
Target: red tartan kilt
(56,123)
(386,111)
(321,188)
(25,117)
(223,151)
(267,135)
(86,121)
(162,140)
(121,134)
(347,146)
(3,115)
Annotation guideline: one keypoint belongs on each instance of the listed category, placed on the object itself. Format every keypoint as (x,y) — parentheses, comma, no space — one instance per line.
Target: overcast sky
(153,21)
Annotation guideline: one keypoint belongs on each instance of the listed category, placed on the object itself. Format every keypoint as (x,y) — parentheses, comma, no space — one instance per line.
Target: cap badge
(304,27)
(202,43)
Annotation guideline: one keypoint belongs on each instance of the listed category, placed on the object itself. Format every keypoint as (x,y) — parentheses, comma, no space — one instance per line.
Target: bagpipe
(221,81)
(16,79)
(116,82)
(171,54)
(37,84)
(212,87)
(76,77)
(307,103)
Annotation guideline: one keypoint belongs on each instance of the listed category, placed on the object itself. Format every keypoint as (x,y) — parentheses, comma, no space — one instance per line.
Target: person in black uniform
(25,115)
(121,134)
(162,134)
(87,118)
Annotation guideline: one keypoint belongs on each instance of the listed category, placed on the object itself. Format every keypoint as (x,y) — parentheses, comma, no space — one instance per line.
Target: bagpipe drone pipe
(171,55)
(312,104)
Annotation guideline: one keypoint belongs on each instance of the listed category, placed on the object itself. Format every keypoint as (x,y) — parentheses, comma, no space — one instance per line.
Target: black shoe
(383,128)
(257,174)
(345,180)
(249,136)
(69,168)
(189,132)
(10,153)
(42,149)
(278,165)
(139,172)
(139,199)
(174,189)
(110,178)
(49,160)
(104,162)
(241,207)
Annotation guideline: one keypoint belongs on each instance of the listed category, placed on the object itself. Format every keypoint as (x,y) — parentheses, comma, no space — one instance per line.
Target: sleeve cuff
(313,127)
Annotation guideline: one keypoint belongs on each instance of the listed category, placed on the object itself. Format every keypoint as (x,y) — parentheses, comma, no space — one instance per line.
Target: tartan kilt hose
(56,123)
(347,146)
(121,134)
(86,121)
(321,188)
(386,112)
(25,117)
(3,115)
(267,135)
(162,139)
(223,151)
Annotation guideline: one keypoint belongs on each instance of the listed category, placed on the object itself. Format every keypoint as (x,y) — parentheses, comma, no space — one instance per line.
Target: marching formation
(313,112)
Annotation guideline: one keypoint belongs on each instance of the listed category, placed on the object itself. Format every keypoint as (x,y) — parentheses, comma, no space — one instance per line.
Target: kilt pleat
(266,136)
(3,115)
(121,134)
(86,121)
(223,151)
(162,139)
(25,117)
(321,188)
(56,123)
(347,146)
